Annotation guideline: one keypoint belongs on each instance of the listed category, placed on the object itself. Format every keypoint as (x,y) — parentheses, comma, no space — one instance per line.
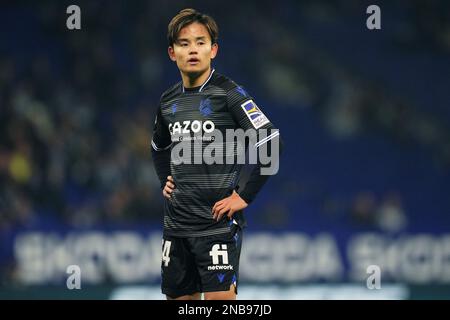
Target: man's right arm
(161,143)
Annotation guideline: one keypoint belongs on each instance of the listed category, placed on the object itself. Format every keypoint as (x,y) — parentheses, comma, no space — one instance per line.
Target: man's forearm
(161,161)
(257,180)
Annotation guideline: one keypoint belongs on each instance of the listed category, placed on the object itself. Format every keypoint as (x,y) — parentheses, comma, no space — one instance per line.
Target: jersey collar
(204,83)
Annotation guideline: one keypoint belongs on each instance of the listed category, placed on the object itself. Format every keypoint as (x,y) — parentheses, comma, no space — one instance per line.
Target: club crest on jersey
(205,107)
(256,117)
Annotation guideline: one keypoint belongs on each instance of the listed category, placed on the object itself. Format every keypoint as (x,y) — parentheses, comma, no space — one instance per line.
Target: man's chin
(194,71)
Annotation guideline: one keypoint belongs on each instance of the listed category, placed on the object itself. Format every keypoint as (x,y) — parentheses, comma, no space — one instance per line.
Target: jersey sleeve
(249,115)
(160,151)
(161,135)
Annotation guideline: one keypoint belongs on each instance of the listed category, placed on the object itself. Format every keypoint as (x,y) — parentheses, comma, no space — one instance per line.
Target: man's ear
(171,53)
(214,49)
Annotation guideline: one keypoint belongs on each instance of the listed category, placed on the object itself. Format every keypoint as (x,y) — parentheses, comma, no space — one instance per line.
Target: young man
(203,212)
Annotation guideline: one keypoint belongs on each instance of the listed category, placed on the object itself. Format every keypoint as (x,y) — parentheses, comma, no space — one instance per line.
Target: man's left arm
(267,146)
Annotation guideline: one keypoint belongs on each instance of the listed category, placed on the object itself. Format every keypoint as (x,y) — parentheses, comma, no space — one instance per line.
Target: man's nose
(193,49)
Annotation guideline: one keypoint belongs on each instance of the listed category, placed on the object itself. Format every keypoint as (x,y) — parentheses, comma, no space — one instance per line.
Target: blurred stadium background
(364,180)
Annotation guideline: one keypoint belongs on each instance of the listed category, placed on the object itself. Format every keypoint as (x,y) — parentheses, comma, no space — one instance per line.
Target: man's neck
(196,80)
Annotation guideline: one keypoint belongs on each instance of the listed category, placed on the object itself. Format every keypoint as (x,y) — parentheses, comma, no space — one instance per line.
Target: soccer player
(203,208)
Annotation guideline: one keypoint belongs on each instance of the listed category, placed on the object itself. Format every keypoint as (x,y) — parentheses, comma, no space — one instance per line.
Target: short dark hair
(186,17)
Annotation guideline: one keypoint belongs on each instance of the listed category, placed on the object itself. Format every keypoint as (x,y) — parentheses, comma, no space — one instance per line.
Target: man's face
(193,50)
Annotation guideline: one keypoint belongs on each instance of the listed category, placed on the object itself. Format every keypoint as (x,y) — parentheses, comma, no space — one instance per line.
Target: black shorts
(200,264)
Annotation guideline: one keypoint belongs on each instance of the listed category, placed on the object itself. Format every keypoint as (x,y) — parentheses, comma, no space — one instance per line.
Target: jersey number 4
(165,252)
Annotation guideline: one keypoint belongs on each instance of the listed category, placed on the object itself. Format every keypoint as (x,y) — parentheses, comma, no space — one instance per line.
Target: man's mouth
(193,61)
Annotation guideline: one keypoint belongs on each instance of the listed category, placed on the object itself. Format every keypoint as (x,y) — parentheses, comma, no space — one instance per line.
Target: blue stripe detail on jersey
(174,108)
(241,91)
(205,107)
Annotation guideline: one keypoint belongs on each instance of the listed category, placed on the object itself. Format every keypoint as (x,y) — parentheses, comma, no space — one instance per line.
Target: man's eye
(201,43)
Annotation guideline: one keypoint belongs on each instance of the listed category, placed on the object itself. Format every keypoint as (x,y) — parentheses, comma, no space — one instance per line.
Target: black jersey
(219,104)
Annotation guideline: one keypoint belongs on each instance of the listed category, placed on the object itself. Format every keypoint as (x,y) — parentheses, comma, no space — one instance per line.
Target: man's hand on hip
(168,188)
(230,204)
